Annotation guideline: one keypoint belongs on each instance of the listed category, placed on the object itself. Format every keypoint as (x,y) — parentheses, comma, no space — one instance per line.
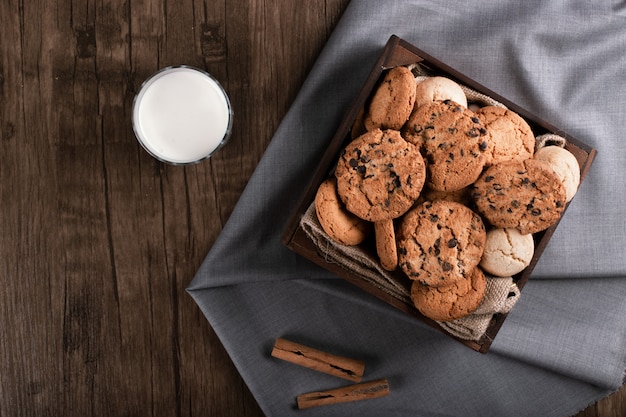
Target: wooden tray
(399,52)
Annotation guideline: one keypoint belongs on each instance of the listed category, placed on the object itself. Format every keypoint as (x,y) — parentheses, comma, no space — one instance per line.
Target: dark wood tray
(399,52)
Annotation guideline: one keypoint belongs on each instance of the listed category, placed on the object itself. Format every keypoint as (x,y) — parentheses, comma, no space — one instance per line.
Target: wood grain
(98,241)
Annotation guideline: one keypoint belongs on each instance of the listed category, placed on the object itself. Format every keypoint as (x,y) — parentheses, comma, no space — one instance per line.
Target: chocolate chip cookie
(526,195)
(393,100)
(338,223)
(510,136)
(440,242)
(380,175)
(452,301)
(386,249)
(454,141)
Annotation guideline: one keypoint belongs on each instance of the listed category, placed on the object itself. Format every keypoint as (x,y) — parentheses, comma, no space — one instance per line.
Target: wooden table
(98,239)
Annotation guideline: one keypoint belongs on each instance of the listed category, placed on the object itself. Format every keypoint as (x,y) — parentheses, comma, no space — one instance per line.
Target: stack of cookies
(452,189)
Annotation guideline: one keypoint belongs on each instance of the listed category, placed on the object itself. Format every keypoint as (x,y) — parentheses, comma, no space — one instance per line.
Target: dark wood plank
(98,240)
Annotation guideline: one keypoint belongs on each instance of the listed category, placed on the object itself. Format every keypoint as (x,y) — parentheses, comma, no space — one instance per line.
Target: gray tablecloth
(563,346)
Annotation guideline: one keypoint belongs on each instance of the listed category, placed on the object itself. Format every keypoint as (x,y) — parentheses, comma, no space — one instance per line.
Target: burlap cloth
(501,294)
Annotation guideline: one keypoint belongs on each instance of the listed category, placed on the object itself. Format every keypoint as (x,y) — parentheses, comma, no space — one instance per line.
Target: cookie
(393,100)
(564,164)
(338,223)
(510,136)
(386,244)
(453,140)
(507,252)
(439,89)
(380,175)
(440,242)
(452,301)
(460,196)
(525,195)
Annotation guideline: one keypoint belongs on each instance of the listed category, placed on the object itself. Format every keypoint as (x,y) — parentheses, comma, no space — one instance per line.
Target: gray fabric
(563,344)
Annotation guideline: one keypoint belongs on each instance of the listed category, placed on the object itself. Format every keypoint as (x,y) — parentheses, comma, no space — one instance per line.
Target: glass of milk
(182,115)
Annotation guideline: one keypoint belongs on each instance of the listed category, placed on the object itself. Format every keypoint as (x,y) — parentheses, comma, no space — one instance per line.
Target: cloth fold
(563,344)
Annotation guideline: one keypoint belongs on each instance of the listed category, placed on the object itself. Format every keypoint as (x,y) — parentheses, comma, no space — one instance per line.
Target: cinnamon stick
(342,367)
(356,392)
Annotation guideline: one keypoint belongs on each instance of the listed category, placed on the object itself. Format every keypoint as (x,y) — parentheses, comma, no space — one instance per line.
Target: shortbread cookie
(439,89)
(510,136)
(393,100)
(440,242)
(507,252)
(386,244)
(454,142)
(526,195)
(452,301)
(564,164)
(338,223)
(380,175)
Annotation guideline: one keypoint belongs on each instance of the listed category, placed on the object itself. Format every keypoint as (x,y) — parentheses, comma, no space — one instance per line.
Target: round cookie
(386,244)
(440,242)
(393,100)
(510,136)
(564,164)
(526,195)
(454,142)
(507,252)
(338,223)
(380,175)
(452,301)
(439,89)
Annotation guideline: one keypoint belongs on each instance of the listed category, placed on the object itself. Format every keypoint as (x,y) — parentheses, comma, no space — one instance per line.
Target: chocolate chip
(354,163)
(559,204)
(434,218)
(475,120)
(483,131)
(446,266)
(452,243)
(472,133)
(451,156)
(361,169)
(536,212)
(483,146)
(489,178)
(515,203)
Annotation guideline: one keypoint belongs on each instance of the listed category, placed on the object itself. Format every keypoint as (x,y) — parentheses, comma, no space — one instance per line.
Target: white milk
(181,115)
